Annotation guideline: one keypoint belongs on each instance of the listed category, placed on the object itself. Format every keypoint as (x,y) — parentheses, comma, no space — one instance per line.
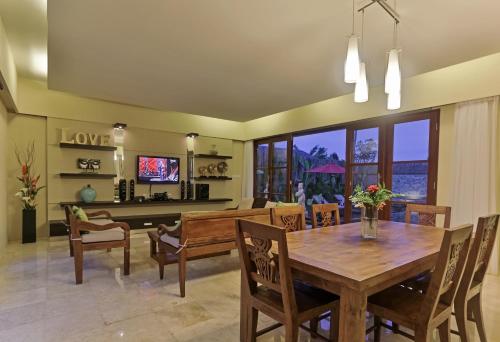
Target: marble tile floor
(40,302)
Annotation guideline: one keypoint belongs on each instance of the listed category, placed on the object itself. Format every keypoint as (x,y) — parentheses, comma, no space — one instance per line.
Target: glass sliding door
(318,169)
(261,187)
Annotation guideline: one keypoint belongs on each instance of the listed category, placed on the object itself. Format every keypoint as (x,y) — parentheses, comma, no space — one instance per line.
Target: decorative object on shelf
(183,190)
(202,191)
(119,125)
(203,171)
(213,151)
(222,168)
(371,201)
(88,194)
(83,138)
(160,196)
(28,192)
(122,189)
(355,70)
(211,169)
(132,189)
(189,190)
(89,165)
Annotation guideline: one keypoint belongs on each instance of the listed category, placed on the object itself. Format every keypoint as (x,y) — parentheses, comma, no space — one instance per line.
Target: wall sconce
(120,125)
(190,137)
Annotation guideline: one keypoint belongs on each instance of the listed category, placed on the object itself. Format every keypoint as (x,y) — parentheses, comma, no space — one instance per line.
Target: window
(325,166)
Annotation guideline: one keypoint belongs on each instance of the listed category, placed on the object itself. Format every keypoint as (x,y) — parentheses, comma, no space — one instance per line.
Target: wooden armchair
(103,234)
(291,218)
(329,213)
(427,214)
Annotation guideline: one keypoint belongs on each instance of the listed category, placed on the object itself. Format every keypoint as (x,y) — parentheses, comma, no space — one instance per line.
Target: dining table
(339,260)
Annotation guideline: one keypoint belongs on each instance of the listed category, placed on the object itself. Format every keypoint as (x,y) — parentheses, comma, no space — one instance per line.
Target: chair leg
(253,318)
(78,259)
(335,323)
(423,335)
(108,250)
(444,331)
(475,305)
(291,331)
(126,258)
(376,332)
(182,273)
(313,325)
(461,318)
(160,257)
(71,254)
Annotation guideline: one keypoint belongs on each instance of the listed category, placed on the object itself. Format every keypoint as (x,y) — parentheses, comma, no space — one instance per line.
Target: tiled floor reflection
(40,302)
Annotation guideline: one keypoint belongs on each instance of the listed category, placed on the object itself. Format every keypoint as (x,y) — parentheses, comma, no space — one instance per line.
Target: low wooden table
(338,260)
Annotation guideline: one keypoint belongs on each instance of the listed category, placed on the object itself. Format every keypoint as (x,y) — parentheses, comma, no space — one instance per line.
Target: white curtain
(475,164)
(247,179)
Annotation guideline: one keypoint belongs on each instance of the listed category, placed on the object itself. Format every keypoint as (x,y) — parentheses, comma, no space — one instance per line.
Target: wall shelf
(80,175)
(111,204)
(208,179)
(88,147)
(212,156)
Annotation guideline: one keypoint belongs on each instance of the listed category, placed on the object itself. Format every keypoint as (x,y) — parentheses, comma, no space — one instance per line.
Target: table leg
(352,315)
(243,312)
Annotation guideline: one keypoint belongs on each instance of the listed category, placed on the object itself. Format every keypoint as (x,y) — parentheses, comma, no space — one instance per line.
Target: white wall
(3,177)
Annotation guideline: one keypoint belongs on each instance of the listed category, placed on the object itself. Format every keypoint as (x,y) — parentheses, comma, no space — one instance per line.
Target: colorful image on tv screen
(157,170)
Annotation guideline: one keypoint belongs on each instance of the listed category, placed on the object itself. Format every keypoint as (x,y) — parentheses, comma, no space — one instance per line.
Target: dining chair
(468,299)
(425,312)
(427,214)
(329,214)
(291,218)
(102,234)
(268,286)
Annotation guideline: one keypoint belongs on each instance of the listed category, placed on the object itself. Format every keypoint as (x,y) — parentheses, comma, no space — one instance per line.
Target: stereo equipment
(202,191)
(189,190)
(122,190)
(183,190)
(132,190)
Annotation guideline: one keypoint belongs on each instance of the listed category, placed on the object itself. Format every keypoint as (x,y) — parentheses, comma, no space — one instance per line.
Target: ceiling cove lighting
(352,63)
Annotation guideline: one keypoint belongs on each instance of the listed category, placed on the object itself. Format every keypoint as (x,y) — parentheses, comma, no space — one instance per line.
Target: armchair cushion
(80,213)
(172,241)
(114,234)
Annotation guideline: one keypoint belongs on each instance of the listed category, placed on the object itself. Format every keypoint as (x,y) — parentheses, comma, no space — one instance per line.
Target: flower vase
(369,223)
(29,226)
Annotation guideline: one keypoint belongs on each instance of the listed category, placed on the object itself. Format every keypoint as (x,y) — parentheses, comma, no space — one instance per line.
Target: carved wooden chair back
(264,260)
(447,274)
(329,215)
(291,218)
(481,249)
(427,214)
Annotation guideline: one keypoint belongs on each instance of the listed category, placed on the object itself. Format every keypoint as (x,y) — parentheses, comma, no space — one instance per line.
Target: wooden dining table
(339,260)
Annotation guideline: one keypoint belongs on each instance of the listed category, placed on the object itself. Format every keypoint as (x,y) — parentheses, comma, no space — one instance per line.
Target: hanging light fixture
(351,67)
(393,75)
(394,100)
(361,89)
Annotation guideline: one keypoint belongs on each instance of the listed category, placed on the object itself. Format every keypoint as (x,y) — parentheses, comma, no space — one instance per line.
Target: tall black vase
(29,225)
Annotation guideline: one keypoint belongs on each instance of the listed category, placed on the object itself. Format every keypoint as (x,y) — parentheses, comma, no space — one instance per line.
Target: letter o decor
(81,138)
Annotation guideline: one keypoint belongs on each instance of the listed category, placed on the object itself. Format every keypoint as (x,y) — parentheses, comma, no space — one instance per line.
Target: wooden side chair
(268,286)
(103,234)
(427,214)
(329,214)
(291,218)
(468,299)
(425,312)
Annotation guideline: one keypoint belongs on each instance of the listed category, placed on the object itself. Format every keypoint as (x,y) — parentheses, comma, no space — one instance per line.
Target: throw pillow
(80,213)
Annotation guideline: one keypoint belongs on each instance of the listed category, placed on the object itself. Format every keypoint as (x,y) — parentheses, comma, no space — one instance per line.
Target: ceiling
(235,60)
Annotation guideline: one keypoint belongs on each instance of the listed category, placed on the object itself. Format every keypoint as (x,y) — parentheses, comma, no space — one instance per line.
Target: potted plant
(28,192)
(371,200)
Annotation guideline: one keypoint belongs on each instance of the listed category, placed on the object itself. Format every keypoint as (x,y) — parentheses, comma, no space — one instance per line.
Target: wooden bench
(203,234)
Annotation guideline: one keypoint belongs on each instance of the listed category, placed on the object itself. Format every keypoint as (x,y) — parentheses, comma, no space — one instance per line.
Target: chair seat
(307,297)
(400,305)
(101,222)
(171,240)
(113,234)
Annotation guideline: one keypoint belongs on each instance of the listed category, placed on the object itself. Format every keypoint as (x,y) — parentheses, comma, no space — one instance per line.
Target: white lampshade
(351,67)
(394,101)
(361,89)
(393,75)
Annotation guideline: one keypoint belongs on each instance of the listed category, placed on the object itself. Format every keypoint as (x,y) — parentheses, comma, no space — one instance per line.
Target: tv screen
(157,170)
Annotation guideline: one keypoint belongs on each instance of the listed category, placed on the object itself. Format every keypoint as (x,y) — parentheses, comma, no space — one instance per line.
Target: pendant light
(361,89)
(351,67)
(393,75)
(394,101)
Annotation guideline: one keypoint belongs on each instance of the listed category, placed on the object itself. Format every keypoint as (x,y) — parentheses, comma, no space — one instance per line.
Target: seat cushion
(114,234)
(171,240)
(101,222)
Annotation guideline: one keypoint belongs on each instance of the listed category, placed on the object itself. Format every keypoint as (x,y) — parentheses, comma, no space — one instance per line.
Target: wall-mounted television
(157,170)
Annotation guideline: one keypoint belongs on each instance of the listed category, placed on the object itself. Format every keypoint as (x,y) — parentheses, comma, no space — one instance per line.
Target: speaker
(183,190)
(122,190)
(189,190)
(202,191)
(132,190)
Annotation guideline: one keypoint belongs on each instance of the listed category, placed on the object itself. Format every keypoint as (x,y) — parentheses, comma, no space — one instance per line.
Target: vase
(88,194)
(369,223)
(29,226)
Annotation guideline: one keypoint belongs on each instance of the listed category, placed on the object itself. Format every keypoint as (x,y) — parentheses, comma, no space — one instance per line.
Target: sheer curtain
(475,164)
(247,179)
